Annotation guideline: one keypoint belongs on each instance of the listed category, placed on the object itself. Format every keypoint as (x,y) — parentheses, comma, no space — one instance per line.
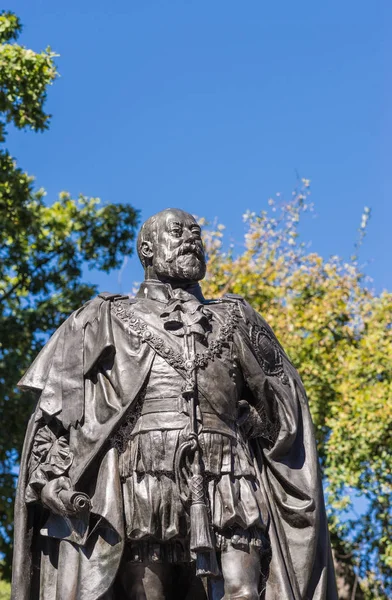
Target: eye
(196,232)
(176,231)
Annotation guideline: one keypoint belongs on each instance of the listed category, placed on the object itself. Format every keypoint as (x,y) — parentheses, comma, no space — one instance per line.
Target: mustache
(187,248)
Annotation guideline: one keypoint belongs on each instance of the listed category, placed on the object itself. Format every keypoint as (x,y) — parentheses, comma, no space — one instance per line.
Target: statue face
(177,249)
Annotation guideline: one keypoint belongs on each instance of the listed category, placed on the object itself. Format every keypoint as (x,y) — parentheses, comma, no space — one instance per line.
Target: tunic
(154,513)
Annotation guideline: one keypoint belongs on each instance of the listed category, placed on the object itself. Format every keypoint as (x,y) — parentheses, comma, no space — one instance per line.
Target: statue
(171,453)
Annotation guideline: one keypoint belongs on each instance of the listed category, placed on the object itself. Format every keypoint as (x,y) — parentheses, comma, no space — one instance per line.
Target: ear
(146,249)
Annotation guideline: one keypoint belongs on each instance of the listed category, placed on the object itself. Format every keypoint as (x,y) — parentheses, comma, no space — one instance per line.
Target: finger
(64,482)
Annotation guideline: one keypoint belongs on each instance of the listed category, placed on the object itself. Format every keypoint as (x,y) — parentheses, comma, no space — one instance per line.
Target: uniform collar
(153,289)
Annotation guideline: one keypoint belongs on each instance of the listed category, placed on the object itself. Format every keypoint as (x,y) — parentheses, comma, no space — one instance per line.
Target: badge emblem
(267,352)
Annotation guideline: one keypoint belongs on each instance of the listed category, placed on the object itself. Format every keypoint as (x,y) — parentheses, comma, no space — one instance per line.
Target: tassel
(207,565)
(201,539)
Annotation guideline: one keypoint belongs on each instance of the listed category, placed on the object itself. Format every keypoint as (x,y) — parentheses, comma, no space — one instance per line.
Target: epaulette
(234,298)
(109,296)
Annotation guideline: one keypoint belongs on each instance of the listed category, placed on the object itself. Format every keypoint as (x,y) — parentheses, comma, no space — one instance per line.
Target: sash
(144,320)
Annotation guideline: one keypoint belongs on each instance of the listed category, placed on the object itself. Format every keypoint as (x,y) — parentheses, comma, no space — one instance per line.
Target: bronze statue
(171,454)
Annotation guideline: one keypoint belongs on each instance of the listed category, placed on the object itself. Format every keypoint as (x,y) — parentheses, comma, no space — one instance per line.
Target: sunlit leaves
(10,26)
(24,77)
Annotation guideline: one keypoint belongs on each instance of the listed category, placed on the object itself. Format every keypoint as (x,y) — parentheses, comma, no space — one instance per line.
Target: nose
(187,235)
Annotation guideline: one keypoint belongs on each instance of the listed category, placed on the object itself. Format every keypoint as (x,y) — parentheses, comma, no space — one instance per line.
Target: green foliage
(24,77)
(5,590)
(338,333)
(42,251)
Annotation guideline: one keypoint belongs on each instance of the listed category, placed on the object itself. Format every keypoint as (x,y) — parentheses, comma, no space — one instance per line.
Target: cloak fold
(301,566)
(24,528)
(58,373)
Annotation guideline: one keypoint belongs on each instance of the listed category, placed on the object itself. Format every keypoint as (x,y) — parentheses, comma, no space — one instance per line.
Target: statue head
(170,248)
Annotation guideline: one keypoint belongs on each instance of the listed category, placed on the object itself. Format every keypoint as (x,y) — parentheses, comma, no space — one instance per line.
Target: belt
(159,405)
(158,408)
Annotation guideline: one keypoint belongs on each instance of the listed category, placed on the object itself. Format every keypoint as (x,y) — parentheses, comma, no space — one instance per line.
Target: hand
(50,495)
(243,412)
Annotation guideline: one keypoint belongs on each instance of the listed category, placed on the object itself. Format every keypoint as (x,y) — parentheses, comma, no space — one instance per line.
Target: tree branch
(10,291)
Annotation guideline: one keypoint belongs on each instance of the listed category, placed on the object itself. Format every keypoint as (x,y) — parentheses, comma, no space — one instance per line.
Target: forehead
(177,216)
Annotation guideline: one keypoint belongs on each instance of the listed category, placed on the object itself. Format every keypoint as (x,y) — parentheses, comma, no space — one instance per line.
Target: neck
(192,287)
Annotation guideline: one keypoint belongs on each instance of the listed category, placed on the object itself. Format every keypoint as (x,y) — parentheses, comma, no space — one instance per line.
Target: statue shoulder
(250,317)
(110,297)
(226,298)
(92,309)
(252,320)
(234,298)
(249,314)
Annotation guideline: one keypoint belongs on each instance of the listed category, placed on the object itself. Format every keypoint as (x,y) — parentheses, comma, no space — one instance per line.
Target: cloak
(89,376)
(301,567)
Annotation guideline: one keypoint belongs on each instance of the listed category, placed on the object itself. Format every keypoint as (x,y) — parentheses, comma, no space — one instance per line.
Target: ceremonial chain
(135,324)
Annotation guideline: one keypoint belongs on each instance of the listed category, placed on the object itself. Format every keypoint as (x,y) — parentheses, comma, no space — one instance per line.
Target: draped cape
(88,376)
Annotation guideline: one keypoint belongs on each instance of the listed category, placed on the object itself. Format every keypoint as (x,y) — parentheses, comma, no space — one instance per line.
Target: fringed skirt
(157,523)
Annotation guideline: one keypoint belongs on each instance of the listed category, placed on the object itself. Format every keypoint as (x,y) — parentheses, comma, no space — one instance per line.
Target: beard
(189,266)
(185,267)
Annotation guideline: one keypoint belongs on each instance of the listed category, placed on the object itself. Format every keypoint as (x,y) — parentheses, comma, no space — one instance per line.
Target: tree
(42,251)
(338,333)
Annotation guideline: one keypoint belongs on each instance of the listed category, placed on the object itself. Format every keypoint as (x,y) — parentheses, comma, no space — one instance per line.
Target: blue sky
(214,106)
